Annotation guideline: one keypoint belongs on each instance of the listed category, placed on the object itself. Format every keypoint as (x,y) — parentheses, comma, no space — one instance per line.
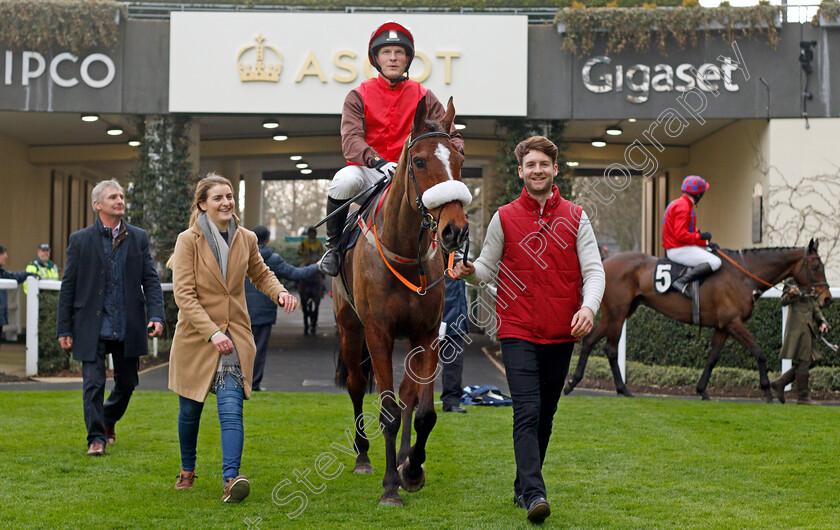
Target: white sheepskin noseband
(448,191)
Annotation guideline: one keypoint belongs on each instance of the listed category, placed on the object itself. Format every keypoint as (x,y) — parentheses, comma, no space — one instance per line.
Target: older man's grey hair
(99,191)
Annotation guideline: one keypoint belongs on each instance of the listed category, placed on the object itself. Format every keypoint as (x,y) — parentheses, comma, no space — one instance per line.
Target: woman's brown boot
(802,391)
(778,385)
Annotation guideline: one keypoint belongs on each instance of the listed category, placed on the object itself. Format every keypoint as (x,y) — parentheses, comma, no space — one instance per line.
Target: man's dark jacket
(261,308)
(82,295)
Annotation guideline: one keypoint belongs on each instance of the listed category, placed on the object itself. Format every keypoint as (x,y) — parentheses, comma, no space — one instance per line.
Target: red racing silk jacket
(679,224)
(376,120)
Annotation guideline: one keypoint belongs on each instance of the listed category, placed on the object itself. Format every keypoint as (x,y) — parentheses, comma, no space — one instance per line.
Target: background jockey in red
(375,122)
(682,242)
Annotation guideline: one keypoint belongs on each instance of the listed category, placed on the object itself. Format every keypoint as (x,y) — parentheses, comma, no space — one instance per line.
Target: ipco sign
(602,77)
(66,70)
(305,63)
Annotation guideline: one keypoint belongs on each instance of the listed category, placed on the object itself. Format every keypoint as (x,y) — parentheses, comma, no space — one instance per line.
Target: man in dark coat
(263,310)
(19,277)
(109,296)
(451,356)
(805,322)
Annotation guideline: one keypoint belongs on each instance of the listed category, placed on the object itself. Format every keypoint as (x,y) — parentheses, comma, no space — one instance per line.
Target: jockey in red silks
(375,121)
(682,241)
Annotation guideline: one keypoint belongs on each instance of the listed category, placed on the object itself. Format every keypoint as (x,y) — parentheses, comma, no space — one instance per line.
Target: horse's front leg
(421,369)
(381,345)
(740,333)
(718,340)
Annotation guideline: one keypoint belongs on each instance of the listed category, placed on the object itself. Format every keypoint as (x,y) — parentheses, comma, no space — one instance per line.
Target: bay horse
(426,193)
(727,299)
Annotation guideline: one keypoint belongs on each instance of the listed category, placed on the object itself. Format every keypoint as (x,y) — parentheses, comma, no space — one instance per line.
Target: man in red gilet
(375,122)
(542,253)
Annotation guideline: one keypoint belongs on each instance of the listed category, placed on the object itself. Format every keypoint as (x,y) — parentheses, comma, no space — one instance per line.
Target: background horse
(425,189)
(727,299)
(311,291)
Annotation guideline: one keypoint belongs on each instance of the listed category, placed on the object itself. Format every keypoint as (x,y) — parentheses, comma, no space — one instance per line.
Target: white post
(32,290)
(622,352)
(786,363)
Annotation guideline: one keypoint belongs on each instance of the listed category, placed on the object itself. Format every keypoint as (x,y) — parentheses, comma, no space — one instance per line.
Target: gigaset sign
(66,70)
(600,76)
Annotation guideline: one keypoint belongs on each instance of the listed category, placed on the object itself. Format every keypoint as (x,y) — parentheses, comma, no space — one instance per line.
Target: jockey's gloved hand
(713,246)
(706,236)
(383,166)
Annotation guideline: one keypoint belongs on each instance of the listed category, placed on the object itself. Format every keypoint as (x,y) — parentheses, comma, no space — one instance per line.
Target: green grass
(612,463)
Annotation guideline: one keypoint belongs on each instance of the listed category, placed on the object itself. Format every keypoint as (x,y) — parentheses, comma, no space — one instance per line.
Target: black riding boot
(683,283)
(335,225)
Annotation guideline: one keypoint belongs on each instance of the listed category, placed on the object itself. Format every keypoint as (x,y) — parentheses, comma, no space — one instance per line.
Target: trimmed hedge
(823,378)
(655,339)
(51,356)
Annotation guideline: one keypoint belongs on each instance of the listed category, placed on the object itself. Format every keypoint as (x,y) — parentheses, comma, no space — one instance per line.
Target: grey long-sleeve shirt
(591,268)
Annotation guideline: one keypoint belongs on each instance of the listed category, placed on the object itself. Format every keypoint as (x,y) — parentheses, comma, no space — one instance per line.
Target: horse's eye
(419,163)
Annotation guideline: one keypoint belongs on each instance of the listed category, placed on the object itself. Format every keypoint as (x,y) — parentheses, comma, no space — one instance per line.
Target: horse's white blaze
(442,154)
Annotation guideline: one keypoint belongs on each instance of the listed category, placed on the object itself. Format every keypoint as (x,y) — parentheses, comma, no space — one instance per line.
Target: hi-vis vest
(46,273)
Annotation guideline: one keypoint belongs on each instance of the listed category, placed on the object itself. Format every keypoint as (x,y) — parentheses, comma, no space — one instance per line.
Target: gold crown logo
(259,71)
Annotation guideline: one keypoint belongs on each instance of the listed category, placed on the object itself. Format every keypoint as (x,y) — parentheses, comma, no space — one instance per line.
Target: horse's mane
(757,250)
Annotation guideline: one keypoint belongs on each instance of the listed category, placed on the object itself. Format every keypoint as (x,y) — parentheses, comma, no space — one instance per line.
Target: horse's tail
(342,372)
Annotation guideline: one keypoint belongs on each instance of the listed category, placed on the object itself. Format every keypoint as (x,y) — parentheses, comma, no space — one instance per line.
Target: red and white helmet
(390,34)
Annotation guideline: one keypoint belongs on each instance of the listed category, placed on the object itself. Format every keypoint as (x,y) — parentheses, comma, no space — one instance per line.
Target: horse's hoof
(624,392)
(410,485)
(568,388)
(390,499)
(768,396)
(704,395)
(363,469)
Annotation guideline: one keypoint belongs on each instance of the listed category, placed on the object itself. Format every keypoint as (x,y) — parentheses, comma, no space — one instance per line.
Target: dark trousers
(261,333)
(535,374)
(93,388)
(452,367)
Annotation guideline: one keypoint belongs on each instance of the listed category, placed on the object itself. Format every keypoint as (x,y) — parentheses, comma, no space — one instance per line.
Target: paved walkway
(295,363)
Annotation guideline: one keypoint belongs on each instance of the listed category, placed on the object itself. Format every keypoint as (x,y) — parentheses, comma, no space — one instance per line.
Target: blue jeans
(229,404)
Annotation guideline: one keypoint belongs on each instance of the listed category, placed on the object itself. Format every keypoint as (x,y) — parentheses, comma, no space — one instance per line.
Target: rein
(428,223)
(742,269)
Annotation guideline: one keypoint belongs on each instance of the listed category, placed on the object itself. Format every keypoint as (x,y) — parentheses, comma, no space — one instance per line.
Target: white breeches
(350,180)
(692,256)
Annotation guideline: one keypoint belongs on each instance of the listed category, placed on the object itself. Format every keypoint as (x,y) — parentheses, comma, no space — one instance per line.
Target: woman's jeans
(229,403)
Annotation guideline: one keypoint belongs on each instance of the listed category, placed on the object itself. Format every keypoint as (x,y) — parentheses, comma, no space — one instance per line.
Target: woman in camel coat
(213,349)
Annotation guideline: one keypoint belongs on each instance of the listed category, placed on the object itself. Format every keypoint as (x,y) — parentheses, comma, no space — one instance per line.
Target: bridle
(428,223)
(809,275)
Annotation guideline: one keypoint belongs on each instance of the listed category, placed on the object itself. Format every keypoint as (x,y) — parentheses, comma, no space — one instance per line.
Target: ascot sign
(96,70)
(601,78)
(305,63)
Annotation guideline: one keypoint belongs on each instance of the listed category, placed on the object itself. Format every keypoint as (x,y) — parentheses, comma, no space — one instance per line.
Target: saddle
(666,271)
(664,274)
(351,231)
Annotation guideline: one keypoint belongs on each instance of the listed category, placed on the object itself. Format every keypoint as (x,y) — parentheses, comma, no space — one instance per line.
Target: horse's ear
(812,246)
(420,115)
(449,117)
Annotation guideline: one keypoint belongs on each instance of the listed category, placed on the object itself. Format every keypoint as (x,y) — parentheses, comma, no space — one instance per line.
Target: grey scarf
(228,364)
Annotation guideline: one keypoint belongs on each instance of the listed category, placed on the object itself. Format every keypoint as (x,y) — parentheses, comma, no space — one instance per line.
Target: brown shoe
(110,434)
(236,489)
(185,480)
(96,449)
